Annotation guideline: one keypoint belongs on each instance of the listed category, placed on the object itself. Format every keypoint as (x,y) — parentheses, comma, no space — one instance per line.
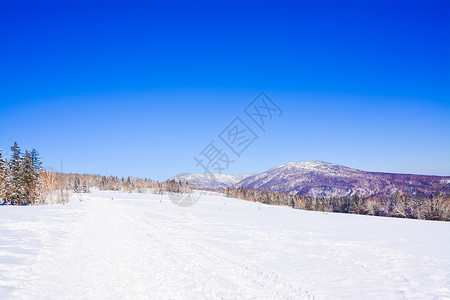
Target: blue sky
(141,87)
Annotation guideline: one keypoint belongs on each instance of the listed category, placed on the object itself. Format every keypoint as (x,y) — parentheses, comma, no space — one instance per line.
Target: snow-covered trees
(436,207)
(77,185)
(31,169)
(3,174)
(86,187)
(16,191)
(80,188)
(130,185)
(19,178)
(48,184)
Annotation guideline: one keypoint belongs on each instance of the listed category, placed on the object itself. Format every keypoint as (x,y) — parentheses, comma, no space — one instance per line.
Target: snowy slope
(211,181)
(315,178)
(141,246)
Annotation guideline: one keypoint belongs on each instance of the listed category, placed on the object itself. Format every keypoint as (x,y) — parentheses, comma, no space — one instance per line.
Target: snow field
(141,246)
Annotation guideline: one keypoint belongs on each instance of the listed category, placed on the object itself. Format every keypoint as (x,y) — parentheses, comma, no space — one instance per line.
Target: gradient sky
(141,87)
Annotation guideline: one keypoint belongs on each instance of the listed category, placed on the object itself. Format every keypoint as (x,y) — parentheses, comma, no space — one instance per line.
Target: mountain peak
(211,180)
(304,167)
(317,178)
(309,164)
(323,179)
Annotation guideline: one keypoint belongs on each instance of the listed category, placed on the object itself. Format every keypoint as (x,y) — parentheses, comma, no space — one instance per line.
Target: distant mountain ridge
(316,178)
(212,181)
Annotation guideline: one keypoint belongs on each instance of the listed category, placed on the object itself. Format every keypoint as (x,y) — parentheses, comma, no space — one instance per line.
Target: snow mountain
(213,181)
(322,179)
(316,178)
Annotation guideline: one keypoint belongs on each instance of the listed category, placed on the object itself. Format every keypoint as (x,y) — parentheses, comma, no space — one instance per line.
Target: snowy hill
(211,181)
(142,246)
(315,178)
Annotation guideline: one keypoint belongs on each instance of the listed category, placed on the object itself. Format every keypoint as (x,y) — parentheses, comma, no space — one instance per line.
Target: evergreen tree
(19,177)
(104,183)
(36,161)
(37,170)
(77,185)
(16,192)
(30,172)
(28,178)
(85,187)
(130,185)
(3,177)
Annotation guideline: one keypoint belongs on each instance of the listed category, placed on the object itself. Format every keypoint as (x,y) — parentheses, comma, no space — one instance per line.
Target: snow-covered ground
(141,246)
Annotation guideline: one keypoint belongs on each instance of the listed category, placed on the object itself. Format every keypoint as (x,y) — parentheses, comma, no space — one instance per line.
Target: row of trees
(20,177)
(78,188)
(24,182)
(436,207)
(83,183)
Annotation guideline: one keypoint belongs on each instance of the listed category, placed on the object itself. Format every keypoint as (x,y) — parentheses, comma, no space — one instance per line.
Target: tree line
(417,206)
(83,183)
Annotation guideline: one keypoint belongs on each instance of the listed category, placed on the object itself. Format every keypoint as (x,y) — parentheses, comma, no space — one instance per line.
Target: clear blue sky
(141,87)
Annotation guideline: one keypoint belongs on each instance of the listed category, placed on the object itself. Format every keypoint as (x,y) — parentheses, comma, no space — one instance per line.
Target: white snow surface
(141,246)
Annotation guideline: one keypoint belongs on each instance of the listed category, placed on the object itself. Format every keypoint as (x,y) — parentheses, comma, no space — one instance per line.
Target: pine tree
(37,171)
(130,185)
(85,187)
(16,192)
(36,161)
(3,177)
(104,183)
(30,172)
(77,185)
(28,177)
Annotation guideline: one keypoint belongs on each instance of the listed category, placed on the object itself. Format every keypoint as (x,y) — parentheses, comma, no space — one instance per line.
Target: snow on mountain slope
(141,246)
(315,178)
(211,181)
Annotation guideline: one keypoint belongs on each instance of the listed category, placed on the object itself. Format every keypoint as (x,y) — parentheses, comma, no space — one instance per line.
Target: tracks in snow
(119,252)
